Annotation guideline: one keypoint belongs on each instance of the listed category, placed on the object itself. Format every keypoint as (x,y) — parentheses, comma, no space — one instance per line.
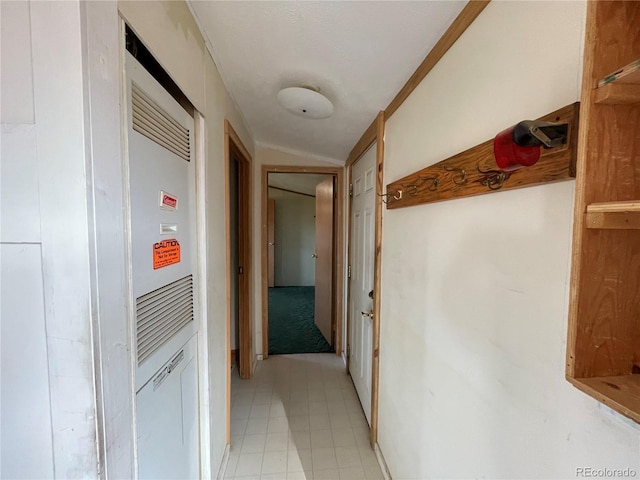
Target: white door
(163,260)
(362,238)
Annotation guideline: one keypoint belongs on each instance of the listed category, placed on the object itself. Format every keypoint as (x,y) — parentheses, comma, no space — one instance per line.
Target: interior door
(271,242)
(362,238)
(324,257)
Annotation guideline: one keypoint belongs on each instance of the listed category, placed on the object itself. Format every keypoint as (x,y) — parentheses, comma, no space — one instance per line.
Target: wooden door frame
(271,235)
(373,134)
(233,145)
(339,268)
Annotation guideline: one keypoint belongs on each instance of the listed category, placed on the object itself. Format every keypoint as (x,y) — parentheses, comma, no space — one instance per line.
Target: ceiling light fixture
(305,101)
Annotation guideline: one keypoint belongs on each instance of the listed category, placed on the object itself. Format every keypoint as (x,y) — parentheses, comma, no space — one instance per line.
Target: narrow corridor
(299,418)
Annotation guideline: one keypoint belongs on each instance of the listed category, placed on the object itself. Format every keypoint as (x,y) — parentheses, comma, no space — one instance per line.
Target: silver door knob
(367,314)
(314,255)
(271,243)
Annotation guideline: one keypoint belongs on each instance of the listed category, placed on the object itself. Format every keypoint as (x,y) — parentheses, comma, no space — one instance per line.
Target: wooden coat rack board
(474,171)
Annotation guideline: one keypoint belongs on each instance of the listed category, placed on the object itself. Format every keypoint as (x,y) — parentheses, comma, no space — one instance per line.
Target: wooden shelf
(614,215)
(621,393)
(621,87)
(628,74)
(618,94)
(603,341)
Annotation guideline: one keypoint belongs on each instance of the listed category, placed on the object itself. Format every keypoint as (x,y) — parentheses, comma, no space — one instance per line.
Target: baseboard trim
(225,461)
(383,464)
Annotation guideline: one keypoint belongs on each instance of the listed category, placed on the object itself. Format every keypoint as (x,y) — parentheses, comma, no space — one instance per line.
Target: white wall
(50,393)
(295,236)
(475,290)
(268,155)
(171,34)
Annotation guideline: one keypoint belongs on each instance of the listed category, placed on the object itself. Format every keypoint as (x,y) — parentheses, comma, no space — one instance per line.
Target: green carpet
(291,326)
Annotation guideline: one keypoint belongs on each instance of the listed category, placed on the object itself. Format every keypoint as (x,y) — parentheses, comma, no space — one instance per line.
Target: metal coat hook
(462,179)
(494,179)
(434,182)
(394,196)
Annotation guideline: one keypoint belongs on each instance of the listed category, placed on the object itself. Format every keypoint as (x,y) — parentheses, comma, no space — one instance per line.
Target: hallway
(299,418)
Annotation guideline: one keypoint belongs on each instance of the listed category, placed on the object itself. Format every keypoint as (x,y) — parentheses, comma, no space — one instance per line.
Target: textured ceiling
(358,53)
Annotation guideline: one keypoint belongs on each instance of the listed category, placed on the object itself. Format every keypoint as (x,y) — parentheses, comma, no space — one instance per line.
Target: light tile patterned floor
(299,418)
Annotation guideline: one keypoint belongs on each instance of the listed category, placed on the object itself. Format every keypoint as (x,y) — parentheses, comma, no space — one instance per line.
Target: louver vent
(161,314)
(156,124)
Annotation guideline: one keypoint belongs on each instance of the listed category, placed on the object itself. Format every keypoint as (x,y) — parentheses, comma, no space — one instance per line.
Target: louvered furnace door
(163,254)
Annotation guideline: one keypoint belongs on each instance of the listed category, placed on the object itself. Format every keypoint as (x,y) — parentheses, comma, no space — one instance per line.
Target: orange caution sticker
(165,253)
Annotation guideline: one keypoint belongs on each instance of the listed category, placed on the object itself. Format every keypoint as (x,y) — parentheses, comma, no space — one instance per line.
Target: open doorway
(300,259)
(239,253)
(302,286)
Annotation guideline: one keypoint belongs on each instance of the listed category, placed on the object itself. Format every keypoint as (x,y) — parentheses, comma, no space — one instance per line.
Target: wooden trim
(377,280)
(630,206)
(455,30)
(442,181)
(291,191)
(233,144)
(613,220)
(614,215)
(618,94)
(236,142)
(301,169)
(339,270)
(367,139)
(264,262)
(620,392)
(245,294)
(233,356)
(580,203)
(348,299)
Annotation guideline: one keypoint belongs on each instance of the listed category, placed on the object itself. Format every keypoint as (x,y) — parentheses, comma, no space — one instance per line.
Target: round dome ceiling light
(306,102)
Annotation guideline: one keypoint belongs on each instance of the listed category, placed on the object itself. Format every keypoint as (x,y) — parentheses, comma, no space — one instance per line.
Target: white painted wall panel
(16,93)
(112,347)
(60,118)
(218,106)
(26,449)
(475,290)
(19,196)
